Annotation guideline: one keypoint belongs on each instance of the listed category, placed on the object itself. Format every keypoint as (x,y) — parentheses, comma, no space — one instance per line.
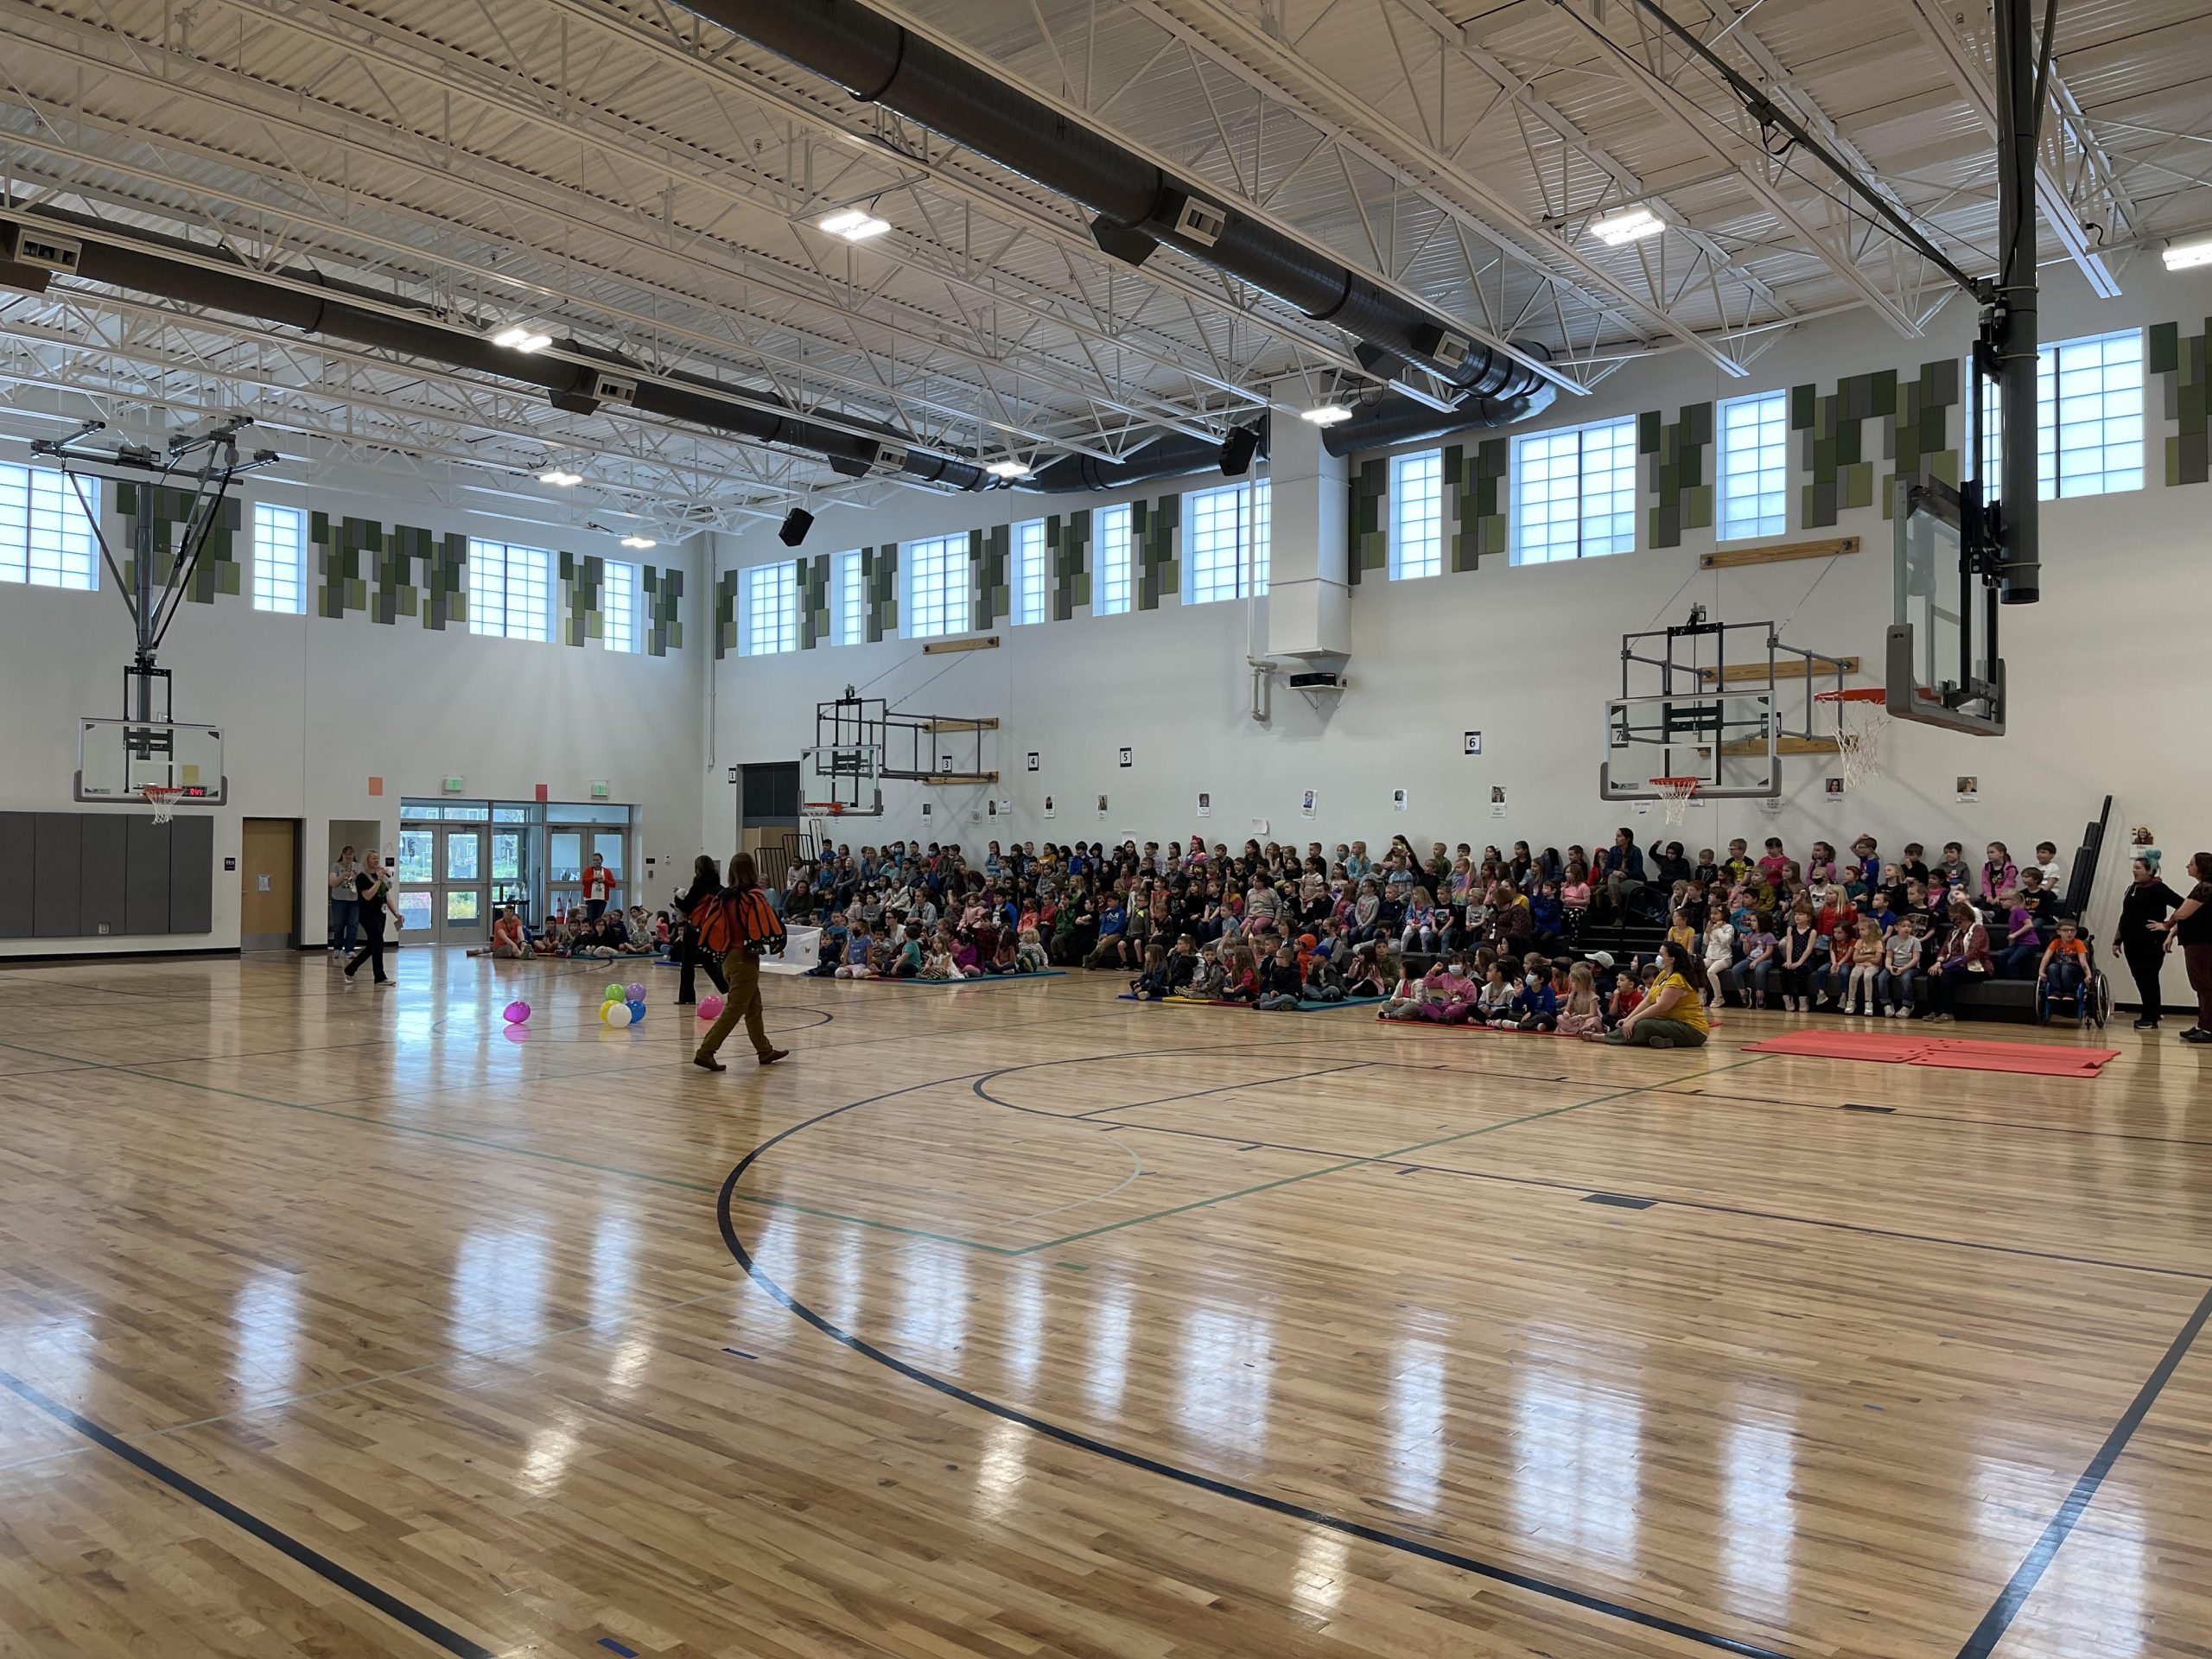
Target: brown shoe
(707,1062)
(775,1054)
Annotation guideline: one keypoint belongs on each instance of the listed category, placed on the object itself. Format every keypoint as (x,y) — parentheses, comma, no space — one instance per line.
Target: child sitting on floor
(1494,1002)
(1534,1006)
(1581,1013)
(1151,985)
(1029,955)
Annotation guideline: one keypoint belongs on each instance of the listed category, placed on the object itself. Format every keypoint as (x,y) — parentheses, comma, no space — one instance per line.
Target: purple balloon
(516,1013)
(634,992)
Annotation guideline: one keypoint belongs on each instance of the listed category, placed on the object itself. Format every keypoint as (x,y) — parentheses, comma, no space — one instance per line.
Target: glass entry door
(444,884)
(567,851)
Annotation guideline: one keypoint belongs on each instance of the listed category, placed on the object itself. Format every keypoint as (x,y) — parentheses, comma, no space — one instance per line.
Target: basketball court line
(1543,1587)
(402,1613)
(1978,1645)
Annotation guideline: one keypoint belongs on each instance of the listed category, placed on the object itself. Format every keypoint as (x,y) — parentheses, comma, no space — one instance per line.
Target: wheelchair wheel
(2042,1004)
(2097,999)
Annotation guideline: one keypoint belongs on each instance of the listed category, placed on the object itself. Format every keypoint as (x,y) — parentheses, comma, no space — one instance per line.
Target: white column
(1309,606)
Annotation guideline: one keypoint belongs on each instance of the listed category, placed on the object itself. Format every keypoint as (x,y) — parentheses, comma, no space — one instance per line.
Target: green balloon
(615,994)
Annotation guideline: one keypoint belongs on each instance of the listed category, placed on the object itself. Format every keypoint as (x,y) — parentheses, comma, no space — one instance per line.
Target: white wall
(2110,677)
(312,708)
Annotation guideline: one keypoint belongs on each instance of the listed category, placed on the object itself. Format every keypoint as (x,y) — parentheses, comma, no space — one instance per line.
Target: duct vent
(1200,221)
(44,250)
(612,389)
(1447,350)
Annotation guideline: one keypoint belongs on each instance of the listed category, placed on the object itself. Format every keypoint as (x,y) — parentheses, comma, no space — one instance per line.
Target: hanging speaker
(796,523)
(1236,451)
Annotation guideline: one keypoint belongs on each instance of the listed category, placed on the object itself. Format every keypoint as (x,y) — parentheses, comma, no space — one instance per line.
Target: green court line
(1378,1158)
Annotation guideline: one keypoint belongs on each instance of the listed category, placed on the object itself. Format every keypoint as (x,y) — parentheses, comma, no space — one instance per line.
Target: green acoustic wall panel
(663,599)
(1674,461)
(880,580)
(2178,363)
(170,509)
(814,623)
(725,614)
(1067,543)
(1369,550)
(1154,528)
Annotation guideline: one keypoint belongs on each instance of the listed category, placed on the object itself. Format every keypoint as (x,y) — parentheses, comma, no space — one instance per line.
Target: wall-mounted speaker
(1237,449)
(796,523)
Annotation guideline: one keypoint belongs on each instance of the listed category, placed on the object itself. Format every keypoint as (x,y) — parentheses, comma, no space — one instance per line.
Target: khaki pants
(742,970)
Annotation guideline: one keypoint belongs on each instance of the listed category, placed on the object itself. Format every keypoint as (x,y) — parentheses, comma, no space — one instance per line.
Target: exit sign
(454,785)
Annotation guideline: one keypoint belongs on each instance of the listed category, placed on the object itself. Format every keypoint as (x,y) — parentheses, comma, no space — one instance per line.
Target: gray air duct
(172,268)
(1138,207)
(1403,421)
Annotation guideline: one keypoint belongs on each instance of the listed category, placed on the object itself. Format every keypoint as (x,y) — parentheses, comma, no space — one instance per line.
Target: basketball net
(163,801)
(1675,795)
(1861,717)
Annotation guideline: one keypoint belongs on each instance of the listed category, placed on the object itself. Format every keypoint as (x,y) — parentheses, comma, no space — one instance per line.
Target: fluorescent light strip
(639,542)
(2187,256)
(1006,469)
(1325,415)
(560,480)
(854,224)
(517,338)
(1617,230)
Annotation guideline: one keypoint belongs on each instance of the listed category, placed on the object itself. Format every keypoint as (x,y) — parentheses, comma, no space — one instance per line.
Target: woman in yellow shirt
(1672,1013)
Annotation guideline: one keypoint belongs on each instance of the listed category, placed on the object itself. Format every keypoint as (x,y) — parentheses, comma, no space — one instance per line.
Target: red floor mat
(2028,1059)
(1956,1054)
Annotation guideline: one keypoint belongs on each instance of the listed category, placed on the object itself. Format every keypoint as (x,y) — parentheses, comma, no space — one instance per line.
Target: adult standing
(2141,935)
(372,888)
(345,905)
(1672,1012)
(705,883)
(599,886)
(2191,927)
(743,924)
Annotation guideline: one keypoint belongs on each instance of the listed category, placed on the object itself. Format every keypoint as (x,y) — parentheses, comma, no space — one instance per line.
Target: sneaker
(708,1063)
(2197,1034)
(2146,1025)
(1891,1011)
(775,1054)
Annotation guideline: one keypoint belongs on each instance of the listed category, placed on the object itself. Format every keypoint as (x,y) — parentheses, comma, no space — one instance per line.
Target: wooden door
(269,874)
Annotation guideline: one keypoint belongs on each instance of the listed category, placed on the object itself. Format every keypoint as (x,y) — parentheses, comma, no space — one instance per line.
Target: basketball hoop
(162,800)
(824,808)
(1675,796)
(1861,714)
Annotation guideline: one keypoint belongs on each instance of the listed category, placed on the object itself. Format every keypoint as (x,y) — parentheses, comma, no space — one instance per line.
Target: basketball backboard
(1939,669)
(119,758)
(1729,741)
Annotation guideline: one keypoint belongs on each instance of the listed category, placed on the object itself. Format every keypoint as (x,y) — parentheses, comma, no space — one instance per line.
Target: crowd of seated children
(1272,926)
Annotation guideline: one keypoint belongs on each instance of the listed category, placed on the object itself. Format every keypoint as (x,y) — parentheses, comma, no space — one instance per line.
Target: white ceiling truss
(623,173)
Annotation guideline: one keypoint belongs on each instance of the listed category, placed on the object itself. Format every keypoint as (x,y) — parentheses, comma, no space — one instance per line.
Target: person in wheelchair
(2063,973)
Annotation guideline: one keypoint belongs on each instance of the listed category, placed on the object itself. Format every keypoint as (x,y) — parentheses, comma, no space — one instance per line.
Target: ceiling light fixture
(2187,256)
(641,542)
(1326,413)
(560,480)
(1617,230)
(1006,469)
(516,338)
(854,224)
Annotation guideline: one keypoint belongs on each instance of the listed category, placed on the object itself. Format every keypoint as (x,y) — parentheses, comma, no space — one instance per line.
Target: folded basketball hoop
(1675,796)
(163,801)
(1861,713)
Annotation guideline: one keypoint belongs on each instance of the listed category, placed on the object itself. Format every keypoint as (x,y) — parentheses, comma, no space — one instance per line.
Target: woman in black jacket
(706,882)
(2139,938)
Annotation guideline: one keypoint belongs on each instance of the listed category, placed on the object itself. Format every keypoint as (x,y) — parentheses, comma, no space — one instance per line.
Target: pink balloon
(516,1013)
(710,1008)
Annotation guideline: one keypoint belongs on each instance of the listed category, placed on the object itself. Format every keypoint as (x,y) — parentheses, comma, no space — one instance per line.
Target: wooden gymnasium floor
(1033,1323)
